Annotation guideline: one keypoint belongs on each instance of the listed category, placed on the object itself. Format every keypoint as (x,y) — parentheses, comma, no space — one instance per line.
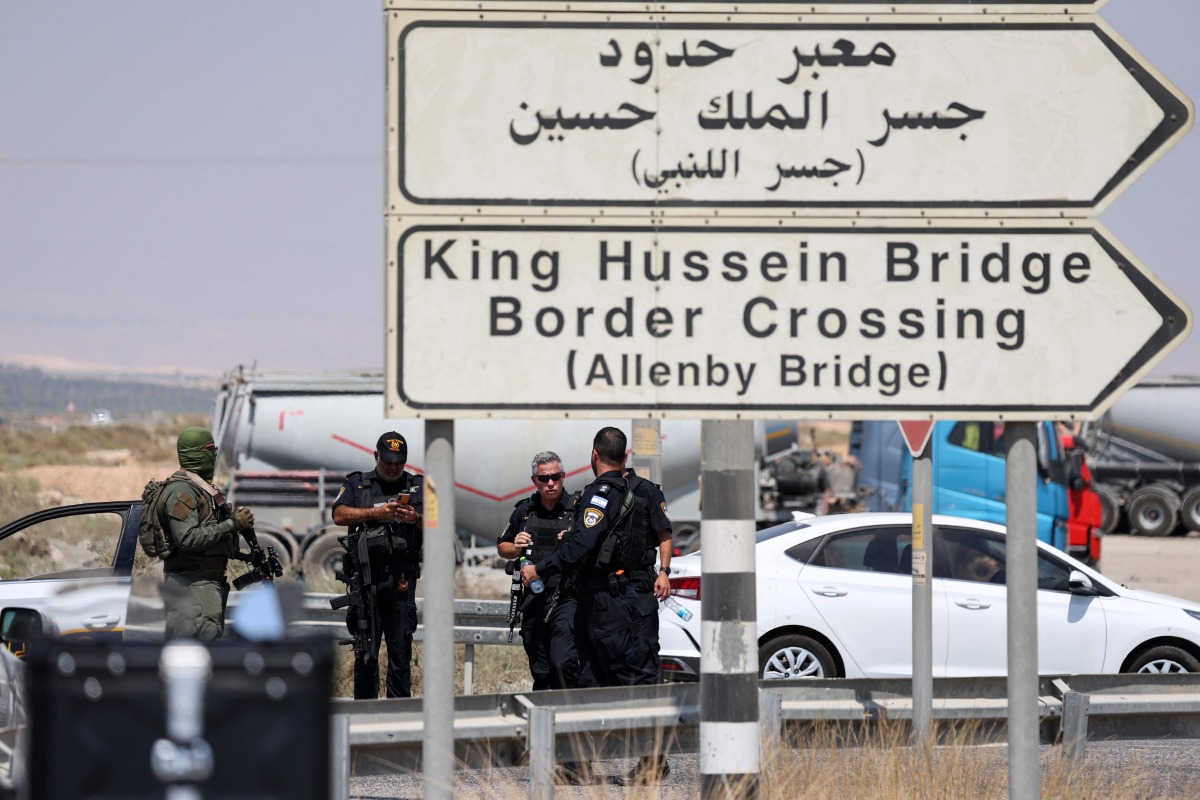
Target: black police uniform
(642,579)
(549,643)
(606,621)
(396,611)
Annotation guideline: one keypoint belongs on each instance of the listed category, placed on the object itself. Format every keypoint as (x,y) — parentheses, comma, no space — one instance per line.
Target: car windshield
(767,534)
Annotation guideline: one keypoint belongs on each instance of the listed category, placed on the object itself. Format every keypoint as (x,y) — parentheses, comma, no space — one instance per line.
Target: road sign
(948,322)
(822,117)
(916,435)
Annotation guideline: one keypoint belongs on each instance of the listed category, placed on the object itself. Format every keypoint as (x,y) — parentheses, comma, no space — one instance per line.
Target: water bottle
(677,608)
(537,586)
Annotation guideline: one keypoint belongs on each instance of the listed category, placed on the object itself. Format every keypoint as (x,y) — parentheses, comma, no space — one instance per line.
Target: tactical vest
(209,512)
(649,536)
(544,532)
(623,547)
(391,542)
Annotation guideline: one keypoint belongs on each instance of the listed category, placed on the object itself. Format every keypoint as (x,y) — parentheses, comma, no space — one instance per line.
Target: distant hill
(32,390)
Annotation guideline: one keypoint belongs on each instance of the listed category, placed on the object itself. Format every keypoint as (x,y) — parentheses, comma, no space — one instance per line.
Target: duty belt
(613,584)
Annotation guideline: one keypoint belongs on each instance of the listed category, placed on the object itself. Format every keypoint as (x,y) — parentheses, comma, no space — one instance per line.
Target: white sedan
(835,600)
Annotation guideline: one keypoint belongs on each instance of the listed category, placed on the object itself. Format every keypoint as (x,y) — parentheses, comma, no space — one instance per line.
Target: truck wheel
(321,558)
(1110,509)
(1152,511)
(1190,512)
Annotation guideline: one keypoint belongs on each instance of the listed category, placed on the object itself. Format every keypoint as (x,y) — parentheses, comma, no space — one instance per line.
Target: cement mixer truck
(287,439)
(1145,458)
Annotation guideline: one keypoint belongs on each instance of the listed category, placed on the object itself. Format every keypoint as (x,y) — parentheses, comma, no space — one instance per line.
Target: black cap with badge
(392,448)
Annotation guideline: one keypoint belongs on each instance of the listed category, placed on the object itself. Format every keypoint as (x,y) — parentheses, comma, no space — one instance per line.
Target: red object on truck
(1086,515)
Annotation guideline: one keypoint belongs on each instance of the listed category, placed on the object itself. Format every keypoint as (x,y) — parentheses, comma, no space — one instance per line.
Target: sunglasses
(554,476)
(210,447)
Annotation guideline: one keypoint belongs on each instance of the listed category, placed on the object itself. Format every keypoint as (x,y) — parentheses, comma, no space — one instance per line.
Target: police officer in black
(607,618)
(651,585)
(535,529)
(373,501)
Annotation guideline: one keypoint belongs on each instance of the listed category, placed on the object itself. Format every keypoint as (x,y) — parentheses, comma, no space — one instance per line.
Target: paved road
(1165,564)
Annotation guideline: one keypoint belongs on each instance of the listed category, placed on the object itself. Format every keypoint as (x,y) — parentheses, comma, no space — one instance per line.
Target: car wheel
(1165,659)
(795,656)
(1153,511)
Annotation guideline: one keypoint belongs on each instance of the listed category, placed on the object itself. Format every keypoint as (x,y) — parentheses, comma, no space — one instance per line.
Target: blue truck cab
(968,472)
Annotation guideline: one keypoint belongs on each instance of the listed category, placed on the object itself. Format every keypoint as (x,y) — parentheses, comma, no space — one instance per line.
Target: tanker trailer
(1144,454)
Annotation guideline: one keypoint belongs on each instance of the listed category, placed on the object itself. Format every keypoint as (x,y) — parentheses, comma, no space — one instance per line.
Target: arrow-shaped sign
(830,117)
(944,322)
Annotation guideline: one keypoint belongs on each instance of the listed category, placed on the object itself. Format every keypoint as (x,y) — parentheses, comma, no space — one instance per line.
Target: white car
(835,600)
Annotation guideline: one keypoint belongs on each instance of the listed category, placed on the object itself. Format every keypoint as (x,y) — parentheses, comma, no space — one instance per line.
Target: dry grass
(498,668)
(152,441)
(833,761)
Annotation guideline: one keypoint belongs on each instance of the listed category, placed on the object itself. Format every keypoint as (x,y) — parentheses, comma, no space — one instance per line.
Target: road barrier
(539,728)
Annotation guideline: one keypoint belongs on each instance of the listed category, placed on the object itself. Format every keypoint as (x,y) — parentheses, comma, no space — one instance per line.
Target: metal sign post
(647,449)
(438,587)
(1021,565)
(917,437)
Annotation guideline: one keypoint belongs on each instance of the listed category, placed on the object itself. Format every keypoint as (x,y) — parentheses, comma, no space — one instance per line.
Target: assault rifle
(516,594)
(360,595)
(263,566)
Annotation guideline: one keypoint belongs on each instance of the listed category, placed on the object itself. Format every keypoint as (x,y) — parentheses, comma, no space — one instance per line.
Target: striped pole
(729,741)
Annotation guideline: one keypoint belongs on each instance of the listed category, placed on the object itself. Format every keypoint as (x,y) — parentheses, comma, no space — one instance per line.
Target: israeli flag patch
(600,501)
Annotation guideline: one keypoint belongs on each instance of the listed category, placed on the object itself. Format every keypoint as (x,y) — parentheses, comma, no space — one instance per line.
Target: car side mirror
(1081,584)
(20,627)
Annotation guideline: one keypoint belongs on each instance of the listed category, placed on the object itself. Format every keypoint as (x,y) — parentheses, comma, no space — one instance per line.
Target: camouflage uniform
(195,589)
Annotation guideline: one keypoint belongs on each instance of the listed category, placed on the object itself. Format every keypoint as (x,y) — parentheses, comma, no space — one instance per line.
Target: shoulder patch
(663,506)
(341,492)
(592,517)
(600,501)
(603,489)
(185,504)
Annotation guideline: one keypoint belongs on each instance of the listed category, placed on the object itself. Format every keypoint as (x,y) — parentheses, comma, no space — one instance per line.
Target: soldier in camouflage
(204,535)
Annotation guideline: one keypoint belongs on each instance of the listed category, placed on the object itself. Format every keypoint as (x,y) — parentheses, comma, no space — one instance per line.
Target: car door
(61,562)
(971,565)
(860,582)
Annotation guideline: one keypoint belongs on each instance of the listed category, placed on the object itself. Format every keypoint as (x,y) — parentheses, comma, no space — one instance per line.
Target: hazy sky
(199,185)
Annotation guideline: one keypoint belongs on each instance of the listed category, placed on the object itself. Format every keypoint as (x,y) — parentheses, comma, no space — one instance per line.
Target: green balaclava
(192,455)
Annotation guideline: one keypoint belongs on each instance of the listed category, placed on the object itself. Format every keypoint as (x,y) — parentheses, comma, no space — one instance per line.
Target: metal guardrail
(476,622)
(538,728)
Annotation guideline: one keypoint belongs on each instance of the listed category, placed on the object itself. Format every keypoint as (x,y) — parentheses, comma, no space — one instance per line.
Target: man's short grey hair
(544,457)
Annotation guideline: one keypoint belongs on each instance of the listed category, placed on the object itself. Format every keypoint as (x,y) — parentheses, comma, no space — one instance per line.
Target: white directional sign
(818,117)
(584,320)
